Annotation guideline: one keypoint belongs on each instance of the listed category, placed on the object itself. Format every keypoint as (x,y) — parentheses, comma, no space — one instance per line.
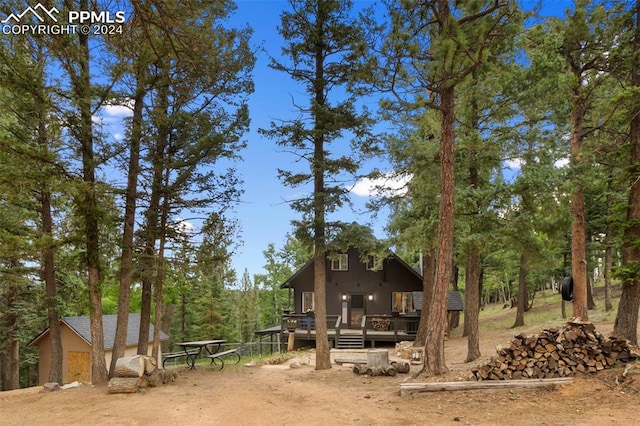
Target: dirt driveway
(280,395)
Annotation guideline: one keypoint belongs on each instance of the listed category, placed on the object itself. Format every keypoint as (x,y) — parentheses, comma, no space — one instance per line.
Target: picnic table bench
(218,357)
(179,354)
(192,350)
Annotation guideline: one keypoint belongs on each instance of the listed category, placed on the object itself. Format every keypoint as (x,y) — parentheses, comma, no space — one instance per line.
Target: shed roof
(454,300)
(82,327)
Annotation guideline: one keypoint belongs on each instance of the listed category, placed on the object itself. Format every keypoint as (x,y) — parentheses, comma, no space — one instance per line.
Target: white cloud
(516,163)
(389,184)
(513,163)
(184,227)
(118,110)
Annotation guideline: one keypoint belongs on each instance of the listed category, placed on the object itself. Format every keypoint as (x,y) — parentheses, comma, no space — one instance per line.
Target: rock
(71,385)
(51,386)
(295,364)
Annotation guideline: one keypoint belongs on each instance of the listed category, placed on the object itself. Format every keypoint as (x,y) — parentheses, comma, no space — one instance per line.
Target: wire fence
(253,349)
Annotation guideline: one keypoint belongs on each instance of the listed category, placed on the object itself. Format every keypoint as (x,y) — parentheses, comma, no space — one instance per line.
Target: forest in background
(91,224)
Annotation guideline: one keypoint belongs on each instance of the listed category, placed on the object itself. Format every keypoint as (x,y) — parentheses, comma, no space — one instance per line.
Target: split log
(124,384)
(360,369)
(154,378)
(150,364)
(374,370)
(130,366)
(390,371)
(401,367)
(411,388)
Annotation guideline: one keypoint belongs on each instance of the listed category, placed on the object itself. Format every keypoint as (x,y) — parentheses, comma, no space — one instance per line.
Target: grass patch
(545,312)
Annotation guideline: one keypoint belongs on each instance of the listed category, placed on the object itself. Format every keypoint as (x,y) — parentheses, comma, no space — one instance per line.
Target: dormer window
(371,263)
(340,263)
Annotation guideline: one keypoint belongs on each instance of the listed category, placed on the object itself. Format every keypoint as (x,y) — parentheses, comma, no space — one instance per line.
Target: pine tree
(626,323)
(321,40)
(429,50)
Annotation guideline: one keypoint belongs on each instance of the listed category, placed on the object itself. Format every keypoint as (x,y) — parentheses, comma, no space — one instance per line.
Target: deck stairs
(350,340)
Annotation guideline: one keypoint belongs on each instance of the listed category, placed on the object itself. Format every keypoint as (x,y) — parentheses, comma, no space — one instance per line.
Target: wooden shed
(76,346)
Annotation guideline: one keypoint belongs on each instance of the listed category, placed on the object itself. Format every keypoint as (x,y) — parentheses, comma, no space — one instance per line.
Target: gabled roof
(391,255)
(287,283)
(81,326)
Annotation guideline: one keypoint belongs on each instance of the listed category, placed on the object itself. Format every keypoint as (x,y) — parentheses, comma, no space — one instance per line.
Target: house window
(340,263)
(402,302)
(371,263)
(307,301)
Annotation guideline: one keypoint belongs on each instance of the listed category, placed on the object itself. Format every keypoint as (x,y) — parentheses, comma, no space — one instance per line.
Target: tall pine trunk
(149,260)
(437,322)
(49,275)
(10,349)
(578,232)
(608,249)
(522,290)
(428,281)
(472,278)
(89,210)
(472,307)
(323,358)
(126,258)
(159,307)
(48,267)
(626,323)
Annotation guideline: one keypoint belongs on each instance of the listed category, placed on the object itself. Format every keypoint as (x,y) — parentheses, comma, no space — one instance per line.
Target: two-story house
(374,300)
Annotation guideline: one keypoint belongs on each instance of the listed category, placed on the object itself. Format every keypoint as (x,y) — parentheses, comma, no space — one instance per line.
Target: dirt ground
(281,395)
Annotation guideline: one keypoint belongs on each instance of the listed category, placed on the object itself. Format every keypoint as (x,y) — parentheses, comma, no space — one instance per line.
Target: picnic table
(193,350)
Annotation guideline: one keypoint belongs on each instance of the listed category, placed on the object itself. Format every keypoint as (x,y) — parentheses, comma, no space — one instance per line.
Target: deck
(373,329)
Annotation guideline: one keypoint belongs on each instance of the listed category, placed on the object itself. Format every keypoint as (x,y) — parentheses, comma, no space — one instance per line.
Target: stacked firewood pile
(135,372)
(557,352)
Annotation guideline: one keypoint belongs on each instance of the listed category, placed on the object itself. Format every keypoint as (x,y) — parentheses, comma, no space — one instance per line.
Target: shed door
(79,367)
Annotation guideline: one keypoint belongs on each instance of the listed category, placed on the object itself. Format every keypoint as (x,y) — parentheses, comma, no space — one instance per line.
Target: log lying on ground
(138,371)
(411,388)
(377,364)
(556,352)
(130,366)
(125,384)
(350,361)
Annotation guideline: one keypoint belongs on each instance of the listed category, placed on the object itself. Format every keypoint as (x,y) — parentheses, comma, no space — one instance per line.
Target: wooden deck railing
(373,327)
(378,322)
